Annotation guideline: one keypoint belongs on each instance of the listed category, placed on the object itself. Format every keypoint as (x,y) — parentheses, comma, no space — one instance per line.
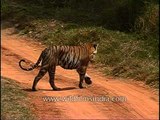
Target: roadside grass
(120,54)
(14,102)
(129,55)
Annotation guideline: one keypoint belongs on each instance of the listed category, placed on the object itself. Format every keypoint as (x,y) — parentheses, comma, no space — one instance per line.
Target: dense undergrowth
(127,33)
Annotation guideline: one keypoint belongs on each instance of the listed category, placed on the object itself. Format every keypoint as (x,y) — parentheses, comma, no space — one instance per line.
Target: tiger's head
(92,48)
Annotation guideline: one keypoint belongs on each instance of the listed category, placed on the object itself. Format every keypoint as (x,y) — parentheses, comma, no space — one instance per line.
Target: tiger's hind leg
(87,79)
(51,72)
(41,73)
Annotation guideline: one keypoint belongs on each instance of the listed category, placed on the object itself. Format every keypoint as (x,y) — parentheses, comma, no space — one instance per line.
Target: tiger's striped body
(68,57)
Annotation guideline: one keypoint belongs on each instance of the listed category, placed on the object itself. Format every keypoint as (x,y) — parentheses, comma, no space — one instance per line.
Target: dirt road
(140,102)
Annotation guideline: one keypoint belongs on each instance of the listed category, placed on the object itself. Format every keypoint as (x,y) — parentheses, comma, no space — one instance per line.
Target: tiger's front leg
(81,80)
(81,71)
(51,72)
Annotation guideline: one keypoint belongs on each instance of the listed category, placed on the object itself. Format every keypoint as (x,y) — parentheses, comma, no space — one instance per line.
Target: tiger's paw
(88,80)
(56,89)
(33,89)
(81,86)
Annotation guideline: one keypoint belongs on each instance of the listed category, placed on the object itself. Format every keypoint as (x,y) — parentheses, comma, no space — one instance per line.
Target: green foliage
(123,15)
(148,22)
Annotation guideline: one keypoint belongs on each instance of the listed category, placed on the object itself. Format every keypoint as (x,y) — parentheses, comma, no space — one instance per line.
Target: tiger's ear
(95,45)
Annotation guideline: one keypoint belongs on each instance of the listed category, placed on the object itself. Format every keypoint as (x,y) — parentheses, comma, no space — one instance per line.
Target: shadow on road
(62,89)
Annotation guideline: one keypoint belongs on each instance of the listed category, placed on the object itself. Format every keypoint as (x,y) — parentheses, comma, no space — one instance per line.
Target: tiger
(68,57)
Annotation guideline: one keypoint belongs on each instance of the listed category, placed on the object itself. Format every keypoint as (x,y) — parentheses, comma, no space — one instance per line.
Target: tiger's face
(93,52)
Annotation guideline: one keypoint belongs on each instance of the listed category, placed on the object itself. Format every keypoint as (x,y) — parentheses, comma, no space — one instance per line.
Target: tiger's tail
(34,66)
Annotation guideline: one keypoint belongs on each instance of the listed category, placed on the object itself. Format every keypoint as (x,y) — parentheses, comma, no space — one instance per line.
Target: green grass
(121,54)
(14,102)
(128,55)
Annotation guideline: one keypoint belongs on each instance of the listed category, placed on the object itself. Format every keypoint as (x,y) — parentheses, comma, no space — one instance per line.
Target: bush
(148,22)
